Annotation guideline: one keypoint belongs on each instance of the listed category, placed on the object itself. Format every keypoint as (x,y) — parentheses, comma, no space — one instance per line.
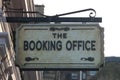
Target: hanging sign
(59,46)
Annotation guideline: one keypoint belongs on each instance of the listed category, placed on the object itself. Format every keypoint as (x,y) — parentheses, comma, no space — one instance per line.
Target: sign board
(59,46)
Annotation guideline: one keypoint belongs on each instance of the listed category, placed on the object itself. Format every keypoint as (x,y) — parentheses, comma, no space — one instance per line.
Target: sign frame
(30,66)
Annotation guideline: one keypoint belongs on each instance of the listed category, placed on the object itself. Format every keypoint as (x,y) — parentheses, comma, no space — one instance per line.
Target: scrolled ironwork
(92,14)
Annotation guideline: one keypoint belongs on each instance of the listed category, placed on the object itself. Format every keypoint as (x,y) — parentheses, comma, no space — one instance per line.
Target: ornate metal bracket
(56,18)
(92,14)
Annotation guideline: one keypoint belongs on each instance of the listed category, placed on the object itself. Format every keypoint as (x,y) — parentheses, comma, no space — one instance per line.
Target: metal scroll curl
(92,13)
